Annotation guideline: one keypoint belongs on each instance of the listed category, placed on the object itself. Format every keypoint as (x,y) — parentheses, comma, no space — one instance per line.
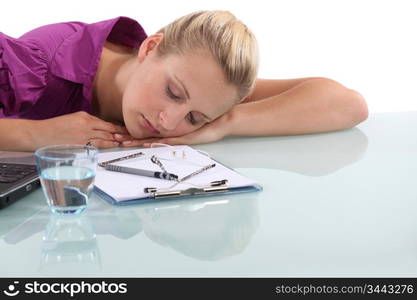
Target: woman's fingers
(138,143)
(109,131)
(122,137)
(108,135)
(102,144)
(119,129)
(169,141)
(102,135)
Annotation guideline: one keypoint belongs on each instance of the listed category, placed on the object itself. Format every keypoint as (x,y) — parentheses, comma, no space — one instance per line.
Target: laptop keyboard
(13,172)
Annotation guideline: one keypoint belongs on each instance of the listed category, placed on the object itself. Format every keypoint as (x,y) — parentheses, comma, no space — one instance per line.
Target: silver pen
(141,172)
(134,155)
(203,169)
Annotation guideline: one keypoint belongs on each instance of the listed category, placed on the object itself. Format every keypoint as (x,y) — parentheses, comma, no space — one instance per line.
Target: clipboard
(125,189)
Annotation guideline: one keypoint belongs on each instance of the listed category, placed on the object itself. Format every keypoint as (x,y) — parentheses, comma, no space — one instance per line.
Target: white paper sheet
(186,160)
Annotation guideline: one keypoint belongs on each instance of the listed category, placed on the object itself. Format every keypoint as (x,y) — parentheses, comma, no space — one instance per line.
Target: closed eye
(190,116)
(191,119)
(171,94)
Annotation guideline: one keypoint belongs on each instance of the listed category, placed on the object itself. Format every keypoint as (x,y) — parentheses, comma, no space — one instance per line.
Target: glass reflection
(206,229)
(69,243)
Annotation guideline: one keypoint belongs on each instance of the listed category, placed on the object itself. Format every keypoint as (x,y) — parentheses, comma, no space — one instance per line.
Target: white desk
(341,204)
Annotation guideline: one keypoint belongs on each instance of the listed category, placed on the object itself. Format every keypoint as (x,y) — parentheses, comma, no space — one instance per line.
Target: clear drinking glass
(67,174)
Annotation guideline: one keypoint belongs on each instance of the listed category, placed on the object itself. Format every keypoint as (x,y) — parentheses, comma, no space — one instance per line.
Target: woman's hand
(79,128)
(211,132)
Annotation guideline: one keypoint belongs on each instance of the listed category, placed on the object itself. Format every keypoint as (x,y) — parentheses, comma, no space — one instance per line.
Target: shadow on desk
(311,155)
(205,229)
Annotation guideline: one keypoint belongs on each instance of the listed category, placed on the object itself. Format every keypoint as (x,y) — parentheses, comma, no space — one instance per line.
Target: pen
(148,173)
(134,155)
(203,169)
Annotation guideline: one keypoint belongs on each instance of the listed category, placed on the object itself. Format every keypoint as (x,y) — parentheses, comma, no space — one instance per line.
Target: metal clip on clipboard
(215,186)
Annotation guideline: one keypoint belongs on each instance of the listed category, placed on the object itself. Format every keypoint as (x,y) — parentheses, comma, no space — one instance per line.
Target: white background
(367,45)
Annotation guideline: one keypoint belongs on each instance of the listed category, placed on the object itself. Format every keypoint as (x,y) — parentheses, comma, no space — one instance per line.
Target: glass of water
(67,175)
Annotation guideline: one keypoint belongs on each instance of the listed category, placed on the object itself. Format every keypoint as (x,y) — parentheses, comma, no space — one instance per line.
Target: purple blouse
(49,71)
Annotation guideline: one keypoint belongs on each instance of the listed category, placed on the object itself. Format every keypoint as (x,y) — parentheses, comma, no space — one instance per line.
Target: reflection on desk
(122,224)
(205,229)
(340,204)
(69,243)
(311,155)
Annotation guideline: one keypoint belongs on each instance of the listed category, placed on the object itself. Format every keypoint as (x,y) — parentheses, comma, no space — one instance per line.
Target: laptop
(18,176)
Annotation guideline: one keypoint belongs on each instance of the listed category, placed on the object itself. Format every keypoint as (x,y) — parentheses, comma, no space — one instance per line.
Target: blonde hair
(229,41)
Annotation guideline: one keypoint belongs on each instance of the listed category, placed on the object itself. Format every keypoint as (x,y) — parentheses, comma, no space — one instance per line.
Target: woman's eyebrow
(183,87)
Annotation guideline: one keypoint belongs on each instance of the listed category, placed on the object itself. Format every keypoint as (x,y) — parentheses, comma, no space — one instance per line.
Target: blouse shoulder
(49,38)
(24,64)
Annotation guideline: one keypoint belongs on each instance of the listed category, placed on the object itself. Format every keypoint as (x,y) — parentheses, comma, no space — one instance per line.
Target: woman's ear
(148,45)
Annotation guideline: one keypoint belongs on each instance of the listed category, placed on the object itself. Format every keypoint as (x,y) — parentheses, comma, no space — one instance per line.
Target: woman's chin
(135,131)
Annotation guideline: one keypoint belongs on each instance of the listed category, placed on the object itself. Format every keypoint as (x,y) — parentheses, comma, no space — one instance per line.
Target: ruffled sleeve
(23,72)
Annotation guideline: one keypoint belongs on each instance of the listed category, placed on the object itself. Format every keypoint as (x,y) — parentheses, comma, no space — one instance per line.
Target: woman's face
(174,95)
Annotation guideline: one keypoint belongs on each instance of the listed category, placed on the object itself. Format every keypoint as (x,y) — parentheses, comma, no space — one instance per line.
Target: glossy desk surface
(341,204)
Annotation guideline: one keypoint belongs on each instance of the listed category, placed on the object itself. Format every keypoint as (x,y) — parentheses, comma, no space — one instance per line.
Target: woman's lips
(148,125)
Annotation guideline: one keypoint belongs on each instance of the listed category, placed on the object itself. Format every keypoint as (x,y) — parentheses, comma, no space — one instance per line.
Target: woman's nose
(170,118)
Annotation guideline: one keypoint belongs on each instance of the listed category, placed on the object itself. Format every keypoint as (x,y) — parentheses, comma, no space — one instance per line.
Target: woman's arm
(265,88)
(282,107)
(296,106)
(16,135)
(75,128)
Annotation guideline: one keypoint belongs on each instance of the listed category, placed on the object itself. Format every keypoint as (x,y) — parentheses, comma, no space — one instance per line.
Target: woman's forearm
(18,135)
(316,105)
